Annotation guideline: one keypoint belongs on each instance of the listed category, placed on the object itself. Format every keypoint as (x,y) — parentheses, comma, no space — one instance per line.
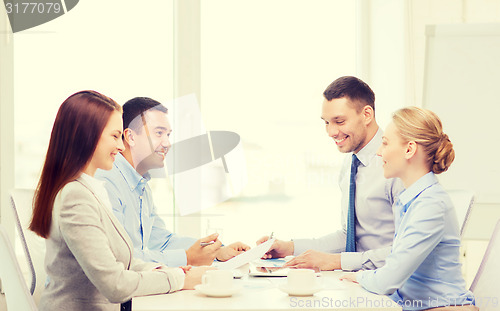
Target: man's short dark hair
(136,107)
(357,91)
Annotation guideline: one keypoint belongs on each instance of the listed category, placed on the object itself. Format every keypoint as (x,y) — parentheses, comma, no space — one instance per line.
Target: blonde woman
(423,270)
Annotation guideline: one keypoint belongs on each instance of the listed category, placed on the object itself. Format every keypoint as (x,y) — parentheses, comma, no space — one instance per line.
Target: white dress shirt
(374,217)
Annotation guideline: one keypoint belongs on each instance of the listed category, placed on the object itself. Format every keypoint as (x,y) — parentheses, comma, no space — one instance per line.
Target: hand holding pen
(227,252)
(203,251)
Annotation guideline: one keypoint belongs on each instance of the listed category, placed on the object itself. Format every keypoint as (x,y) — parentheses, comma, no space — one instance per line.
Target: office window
(264,66)
(120,48)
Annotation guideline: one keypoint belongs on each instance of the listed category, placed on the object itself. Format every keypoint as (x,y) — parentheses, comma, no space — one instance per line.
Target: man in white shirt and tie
(367,220)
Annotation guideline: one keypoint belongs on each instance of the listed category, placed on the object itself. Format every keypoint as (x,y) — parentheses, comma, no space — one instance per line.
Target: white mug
(218,278)
(302,278)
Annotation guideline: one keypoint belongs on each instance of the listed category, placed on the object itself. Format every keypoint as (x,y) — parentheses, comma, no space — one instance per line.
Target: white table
(262,294)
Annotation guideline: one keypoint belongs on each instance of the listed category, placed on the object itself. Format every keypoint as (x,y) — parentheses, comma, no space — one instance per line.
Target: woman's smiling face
(393,151)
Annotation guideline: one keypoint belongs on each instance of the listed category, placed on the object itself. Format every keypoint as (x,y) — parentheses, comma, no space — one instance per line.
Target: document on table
(270,263)
(266,269)
(250,255)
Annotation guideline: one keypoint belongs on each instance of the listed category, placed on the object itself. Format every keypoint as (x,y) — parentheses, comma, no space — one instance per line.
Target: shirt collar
(128,172)
(98,188)
(369,151)
(417,187)
(93,182)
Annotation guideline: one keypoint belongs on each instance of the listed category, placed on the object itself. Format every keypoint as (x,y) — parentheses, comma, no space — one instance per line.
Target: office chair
(486,286)
(463,200)
(33,245)
(17,295)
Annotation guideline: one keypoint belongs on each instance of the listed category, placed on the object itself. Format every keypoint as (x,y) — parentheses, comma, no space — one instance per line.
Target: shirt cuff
(300,246)
(176,277)
(351,261)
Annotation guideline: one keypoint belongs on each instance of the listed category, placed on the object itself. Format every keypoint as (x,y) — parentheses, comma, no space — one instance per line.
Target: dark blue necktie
(350,244)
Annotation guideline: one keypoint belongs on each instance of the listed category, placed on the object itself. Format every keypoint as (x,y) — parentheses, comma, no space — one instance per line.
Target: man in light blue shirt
(349,115)
(146,139)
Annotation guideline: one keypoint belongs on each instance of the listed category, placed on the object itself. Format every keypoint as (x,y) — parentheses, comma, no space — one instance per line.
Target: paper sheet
(250,255)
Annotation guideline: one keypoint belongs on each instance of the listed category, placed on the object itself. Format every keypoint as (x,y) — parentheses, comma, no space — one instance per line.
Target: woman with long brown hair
(89,257)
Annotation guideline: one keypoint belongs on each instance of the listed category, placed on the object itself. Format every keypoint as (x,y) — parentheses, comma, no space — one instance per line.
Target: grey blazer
(89,257)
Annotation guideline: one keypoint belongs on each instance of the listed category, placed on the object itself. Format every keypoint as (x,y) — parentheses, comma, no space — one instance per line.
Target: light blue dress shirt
(375,196)
(423,270)
(132,202)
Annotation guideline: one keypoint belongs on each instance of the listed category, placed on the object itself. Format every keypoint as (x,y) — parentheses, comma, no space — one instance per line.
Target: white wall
(425,12)
(7,176)
(397,44)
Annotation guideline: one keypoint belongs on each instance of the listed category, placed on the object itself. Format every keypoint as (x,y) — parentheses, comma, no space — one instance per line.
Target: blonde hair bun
(425,128)
(444,155)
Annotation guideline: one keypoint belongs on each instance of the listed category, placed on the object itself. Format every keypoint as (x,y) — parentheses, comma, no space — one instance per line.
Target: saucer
(300,292)
(217,292)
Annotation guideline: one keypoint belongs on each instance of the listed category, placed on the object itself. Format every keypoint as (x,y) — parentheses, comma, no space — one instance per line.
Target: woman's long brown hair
(77,129)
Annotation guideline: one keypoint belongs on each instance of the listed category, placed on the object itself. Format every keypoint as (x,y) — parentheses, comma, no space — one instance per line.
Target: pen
(271,236)
(206,243)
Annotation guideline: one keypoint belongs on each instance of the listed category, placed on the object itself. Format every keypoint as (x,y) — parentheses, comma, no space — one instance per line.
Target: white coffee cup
(221,279)
(302,279)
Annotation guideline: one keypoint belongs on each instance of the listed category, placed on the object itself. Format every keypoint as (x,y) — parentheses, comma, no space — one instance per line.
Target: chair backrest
(463,200)
(17,295)
(486,285)
(33,245)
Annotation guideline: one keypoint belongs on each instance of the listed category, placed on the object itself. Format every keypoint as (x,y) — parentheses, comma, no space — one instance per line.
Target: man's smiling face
(345,124)
(152,141)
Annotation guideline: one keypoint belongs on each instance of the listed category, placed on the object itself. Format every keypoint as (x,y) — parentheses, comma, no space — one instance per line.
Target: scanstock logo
(26,14)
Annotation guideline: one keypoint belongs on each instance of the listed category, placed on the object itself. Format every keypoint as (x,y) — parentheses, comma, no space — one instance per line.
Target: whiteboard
(462,85)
